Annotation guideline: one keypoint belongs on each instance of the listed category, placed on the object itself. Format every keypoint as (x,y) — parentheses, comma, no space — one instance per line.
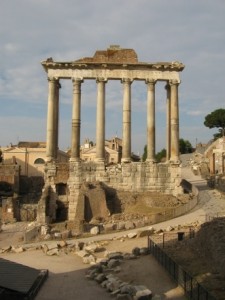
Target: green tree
(185,146)
(216,119)
(160,155)
(144,156)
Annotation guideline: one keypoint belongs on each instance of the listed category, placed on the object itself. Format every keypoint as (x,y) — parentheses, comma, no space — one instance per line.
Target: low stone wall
(171,213)
(135,176)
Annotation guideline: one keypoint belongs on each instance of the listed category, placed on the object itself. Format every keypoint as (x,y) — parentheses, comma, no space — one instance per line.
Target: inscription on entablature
(113,74)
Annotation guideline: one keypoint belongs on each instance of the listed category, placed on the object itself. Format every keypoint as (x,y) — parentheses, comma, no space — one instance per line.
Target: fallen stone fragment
(94,230)
(113,284)
(100,278)
(129,225)
(112,263)
(141,292)
(129,256)
(17,249)
(62,244)
(52,252)
(147,232)
(126,289)
(58,235)
(144,251)
(115,255)
(44,248)
(82,253)
(92,248)
(89,259)
(169,228)
(132,235)
(109,227)
(120,225)
(66,234)
(52,246)
(6,249)
(136,251)
(47,237)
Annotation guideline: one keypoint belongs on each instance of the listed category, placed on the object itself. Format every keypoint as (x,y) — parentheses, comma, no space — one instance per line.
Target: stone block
(95,230)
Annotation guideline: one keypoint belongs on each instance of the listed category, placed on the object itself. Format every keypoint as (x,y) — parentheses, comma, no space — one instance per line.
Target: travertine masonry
(120,64)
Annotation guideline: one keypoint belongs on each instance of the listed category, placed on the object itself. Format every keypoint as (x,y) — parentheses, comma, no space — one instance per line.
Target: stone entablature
(117,71)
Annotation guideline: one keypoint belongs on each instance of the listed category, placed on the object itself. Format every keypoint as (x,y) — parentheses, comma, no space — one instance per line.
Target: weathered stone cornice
(73,65)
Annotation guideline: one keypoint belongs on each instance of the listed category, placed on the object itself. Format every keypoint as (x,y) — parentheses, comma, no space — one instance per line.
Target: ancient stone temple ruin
(115,63)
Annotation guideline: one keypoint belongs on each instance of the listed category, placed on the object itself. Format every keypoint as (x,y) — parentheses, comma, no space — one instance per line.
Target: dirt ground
(67,273)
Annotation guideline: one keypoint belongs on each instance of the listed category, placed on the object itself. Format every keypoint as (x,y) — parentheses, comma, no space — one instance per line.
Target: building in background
(113,151)
(30,156)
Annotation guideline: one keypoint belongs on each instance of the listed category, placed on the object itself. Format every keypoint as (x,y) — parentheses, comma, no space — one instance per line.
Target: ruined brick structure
(114,63)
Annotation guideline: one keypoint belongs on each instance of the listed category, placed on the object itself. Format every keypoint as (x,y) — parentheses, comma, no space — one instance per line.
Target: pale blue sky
(192,32)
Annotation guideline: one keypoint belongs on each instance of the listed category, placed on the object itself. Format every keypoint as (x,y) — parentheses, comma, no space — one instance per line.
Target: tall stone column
(76,112)
(174,121)
(168,125)
(52,119)
(151,120)
(56,121)
(126,151)
(100,120)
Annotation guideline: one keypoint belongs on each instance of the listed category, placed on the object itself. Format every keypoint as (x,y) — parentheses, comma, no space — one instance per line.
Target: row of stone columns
(172,120)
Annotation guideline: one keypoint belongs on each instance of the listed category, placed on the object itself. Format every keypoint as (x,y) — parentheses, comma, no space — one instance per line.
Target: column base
(126,160)
(175,161)
(151,160)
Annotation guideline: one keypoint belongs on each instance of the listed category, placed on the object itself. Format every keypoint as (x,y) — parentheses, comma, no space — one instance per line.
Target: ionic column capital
(126,80)
(174,82)
(54,80)
(76,85)
(77,80)
(150,81)
(101,79)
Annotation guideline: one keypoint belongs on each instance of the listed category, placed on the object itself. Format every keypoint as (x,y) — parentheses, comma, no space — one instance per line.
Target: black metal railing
(192,288)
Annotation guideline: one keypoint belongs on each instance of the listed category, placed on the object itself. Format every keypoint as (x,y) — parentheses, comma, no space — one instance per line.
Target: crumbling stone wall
(132,177)
(9,209)
(136,177)
(10,174)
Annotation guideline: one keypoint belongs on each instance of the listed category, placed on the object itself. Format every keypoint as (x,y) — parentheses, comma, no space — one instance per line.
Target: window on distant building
(39,161)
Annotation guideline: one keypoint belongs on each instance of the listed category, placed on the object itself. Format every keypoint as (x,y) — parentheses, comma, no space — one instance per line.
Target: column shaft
(100,120)
(168,125)
(126,151)
(151,120)
(76,112)
(56,120)
(52,119)
(174,121)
